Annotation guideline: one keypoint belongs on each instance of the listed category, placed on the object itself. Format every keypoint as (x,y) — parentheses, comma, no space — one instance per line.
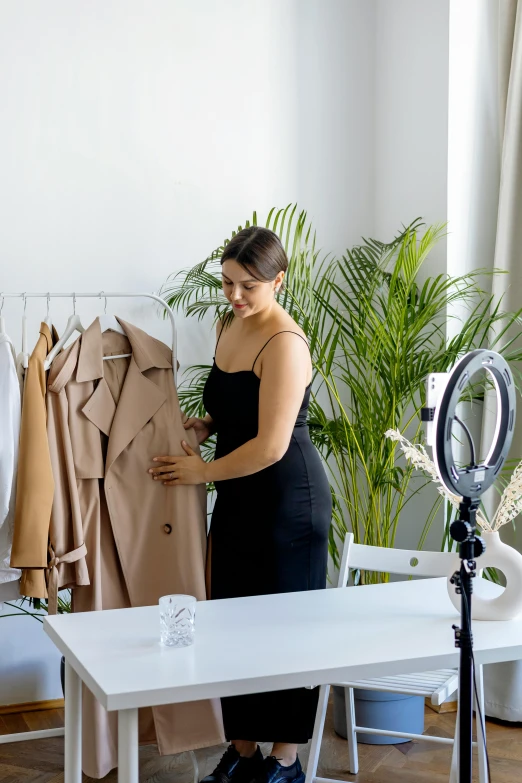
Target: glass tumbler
(177,620)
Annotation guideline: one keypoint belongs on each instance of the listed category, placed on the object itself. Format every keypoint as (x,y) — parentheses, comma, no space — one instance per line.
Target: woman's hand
(180,470)
(200,427)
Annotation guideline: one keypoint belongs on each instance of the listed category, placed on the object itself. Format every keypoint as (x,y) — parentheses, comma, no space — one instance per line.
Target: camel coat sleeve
(35,485)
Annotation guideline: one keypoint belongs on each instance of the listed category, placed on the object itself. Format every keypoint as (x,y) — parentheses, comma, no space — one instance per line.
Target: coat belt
(52,588)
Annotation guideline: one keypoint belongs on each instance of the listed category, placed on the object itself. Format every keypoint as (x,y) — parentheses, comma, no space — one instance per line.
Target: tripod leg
(465,643)
(466,718)
(463,531)
(454,774)
(481,731)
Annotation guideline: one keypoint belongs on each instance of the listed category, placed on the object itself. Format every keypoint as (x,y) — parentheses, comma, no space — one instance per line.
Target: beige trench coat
(117,537)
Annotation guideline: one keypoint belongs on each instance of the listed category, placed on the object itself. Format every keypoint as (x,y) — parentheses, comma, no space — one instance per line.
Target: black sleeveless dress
(269,535)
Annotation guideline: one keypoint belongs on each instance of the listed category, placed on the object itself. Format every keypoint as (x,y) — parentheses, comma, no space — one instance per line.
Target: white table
(266,643)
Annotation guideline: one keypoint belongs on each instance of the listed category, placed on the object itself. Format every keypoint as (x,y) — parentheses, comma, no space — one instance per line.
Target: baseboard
(32,706)
(447,706)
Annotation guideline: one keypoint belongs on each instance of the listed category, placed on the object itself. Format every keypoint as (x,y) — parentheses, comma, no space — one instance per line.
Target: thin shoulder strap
(219,337)
(284,331)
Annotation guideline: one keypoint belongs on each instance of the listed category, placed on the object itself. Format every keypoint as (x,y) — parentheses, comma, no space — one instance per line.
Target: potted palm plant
(376,327)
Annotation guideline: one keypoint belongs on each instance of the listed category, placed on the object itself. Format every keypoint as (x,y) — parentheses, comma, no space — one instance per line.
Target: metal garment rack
(105,295)
(47,733)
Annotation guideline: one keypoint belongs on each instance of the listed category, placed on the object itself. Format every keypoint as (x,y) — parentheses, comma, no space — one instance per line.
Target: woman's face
(246,294)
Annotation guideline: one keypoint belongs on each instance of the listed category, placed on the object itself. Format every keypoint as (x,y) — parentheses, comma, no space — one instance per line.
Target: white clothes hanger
(111,322)
(47,319)
(25,352)
(2,319)
(120,294)
(73,325)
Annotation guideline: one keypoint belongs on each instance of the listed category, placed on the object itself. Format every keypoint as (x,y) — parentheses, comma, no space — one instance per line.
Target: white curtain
(508,248)
(503,682)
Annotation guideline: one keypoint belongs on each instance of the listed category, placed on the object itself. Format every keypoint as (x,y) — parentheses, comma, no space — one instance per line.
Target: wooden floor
(419,762)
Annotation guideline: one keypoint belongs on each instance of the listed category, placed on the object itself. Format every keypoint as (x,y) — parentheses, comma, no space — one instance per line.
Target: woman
(269,529)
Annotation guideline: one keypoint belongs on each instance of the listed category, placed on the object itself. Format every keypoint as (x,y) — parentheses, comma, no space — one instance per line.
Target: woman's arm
(283,382)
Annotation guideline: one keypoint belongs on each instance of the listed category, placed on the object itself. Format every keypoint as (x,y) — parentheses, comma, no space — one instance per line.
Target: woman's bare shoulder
(285,323)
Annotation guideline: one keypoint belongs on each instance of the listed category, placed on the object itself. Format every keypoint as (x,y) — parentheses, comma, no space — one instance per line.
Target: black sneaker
(273,772)
(235,767)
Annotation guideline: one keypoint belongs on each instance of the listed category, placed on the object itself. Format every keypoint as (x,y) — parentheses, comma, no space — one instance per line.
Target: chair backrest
(392,561)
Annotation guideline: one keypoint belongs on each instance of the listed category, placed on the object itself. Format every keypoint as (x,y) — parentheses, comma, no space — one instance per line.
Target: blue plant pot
(379,710)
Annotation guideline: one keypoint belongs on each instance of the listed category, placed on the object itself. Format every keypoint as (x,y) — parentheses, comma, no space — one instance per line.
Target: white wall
(411,117)
(411,155)
(136,134)
(335,136)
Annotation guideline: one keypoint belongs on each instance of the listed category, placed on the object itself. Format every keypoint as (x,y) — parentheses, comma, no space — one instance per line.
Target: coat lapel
(140,398)
(139,401)
(100,408)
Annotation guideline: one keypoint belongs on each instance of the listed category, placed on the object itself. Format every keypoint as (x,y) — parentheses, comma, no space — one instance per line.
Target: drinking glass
(177,620)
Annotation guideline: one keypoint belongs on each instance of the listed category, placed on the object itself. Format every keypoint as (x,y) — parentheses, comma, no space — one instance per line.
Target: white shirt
(10,414)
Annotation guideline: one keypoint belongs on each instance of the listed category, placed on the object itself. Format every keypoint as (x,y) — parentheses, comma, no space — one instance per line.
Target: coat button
(167,528)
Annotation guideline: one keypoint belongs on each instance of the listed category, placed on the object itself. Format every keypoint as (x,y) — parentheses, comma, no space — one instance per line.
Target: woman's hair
(259,251)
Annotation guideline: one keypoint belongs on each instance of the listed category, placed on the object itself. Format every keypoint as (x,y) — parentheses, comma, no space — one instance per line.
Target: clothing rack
(103,295)
(47,733)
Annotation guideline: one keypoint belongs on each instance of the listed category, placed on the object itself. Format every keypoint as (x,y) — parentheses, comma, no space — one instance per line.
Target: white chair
(437,685)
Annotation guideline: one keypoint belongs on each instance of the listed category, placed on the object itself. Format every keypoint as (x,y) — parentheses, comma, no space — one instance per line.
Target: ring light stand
(469,483)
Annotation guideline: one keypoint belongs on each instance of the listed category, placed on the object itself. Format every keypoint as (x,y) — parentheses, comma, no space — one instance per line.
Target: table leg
(195,766)
(73,726)
(128,750)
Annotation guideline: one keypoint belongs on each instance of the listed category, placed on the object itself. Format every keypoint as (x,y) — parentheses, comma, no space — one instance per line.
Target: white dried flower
(510,505)
(419,458)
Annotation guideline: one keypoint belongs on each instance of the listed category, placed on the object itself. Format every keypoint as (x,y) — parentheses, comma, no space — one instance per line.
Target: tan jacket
(106,421)
(34,495)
